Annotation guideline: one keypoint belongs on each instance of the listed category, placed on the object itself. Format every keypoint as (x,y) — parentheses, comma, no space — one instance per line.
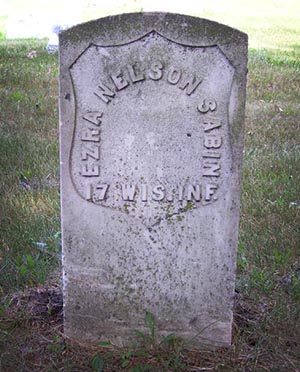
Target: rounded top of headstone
(182,29)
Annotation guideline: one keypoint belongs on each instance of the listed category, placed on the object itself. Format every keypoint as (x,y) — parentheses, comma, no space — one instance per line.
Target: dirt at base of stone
(40,302)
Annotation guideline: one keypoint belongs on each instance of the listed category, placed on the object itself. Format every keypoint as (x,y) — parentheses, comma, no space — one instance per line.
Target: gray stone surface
(151,122)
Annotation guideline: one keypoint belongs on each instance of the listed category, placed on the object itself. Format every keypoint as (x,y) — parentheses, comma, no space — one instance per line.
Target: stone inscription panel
(151,133)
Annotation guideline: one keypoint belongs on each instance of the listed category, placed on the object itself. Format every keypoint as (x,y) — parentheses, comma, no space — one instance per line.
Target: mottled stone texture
(151,124)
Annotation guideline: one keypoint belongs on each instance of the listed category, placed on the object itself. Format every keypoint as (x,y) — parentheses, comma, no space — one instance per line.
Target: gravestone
(151,123)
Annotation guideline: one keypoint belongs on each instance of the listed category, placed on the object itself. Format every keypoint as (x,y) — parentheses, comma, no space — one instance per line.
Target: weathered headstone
(151,115)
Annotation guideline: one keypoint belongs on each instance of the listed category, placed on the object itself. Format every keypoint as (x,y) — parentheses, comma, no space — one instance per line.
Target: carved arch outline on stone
(154,32)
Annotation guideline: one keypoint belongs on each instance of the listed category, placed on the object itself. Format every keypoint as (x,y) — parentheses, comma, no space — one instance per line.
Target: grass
(29,163)
(3,20)
(267,311)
